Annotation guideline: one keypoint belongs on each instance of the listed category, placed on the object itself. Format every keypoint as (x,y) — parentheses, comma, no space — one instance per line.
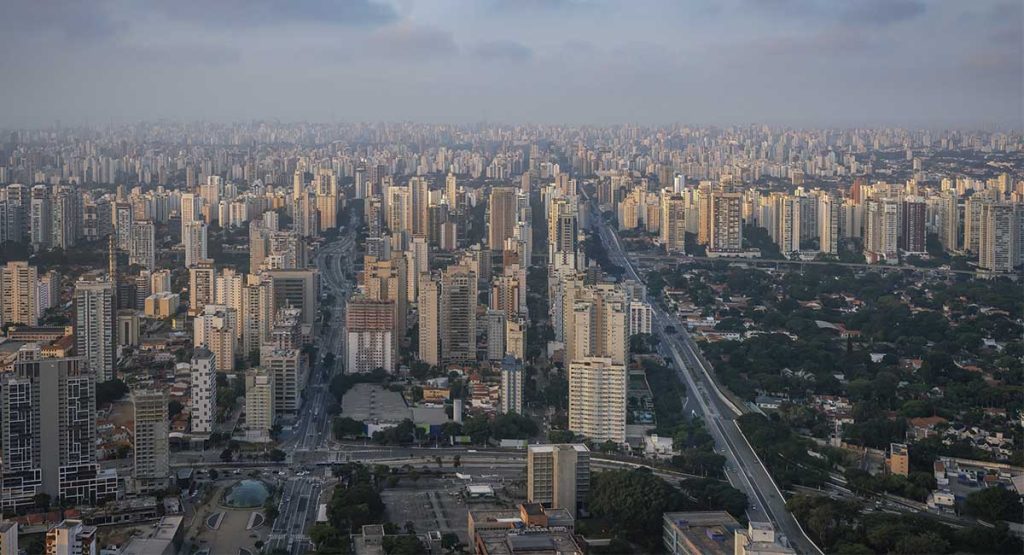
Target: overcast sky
(792,62)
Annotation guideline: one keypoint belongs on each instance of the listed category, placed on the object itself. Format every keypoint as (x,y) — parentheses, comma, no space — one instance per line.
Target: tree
(449,540)
(633,501)
(227,455)
(344,426)
(109,391)
(278,455)
(174,408)
(403,545)
(42,501)
(327,538)
(994,504)
(457,461)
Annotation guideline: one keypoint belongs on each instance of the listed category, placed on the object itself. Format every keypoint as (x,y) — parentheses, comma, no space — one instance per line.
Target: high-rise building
(152,466)
(828,224)
(94,325)
(201,285)
(912,225)
(143,245)
(194,238)
(204,390)
(53,451)
(369,327)
(295,288)
(511,385)
(785,222)
(71,537)
(40,218)
(673,222)
(420,193)
(501,210)
(9,537)
(558,476)
(259,404)
(881,231)
(597,399)
(428,306)
(596,322)
(726,222)
(216,328)
(288,371)
(996,241)
(496,323)
(18,294)
(458,313)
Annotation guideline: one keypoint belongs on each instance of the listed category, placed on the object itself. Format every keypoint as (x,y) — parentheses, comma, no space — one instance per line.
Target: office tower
(295,288)
(428,306)
(152,466)
(515,337)
(511,385)
(501,210)
(458,314)
(496,323)
(194,238)
(786,224)
(67,216)
(828,224)
(726,222)
(94,325)
(558,476)
(216,328)
(143,245)
(369,326)
(259,404)
(673,222)
(204,390)
(9,537)
(18,294)
(40,218)
(881,231)
(201,286)
(71,537)
(53,449)
(912,225)
(286,367)
(597,399)
(996,240)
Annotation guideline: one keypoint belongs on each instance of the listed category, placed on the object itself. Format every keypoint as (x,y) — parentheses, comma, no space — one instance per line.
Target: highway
(744,469)
(311,432)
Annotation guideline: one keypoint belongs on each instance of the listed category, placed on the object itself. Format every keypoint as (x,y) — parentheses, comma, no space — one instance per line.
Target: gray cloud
(232,13)
(506,50)
(409,43)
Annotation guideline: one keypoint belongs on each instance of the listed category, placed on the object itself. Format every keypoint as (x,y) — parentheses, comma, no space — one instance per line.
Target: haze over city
(791,62)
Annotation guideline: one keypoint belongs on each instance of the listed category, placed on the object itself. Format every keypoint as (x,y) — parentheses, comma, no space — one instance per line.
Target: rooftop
(371,402)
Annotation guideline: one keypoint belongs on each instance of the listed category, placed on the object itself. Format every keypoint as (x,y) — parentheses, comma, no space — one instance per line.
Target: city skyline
(785,62)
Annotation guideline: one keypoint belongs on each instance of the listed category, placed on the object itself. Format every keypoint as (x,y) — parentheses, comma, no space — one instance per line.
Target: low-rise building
(699,533)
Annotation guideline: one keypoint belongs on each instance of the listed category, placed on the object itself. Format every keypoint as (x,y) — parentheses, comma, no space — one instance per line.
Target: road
(744,469)
(311,432)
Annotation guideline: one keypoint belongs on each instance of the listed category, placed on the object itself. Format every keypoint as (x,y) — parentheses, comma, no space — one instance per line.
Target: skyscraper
(428,306)
(673,222)
(216,329)
(597,399)
(501,210)
(996,240)
(881,231)
(420,192)
(912,225)
(458,312)
(94,325)
(152,466)
(369,327)
(259,404)
(496,322)
(18,300)
(204,391)
(511,385)
(201,285)
(726,222)
(143,245)
(828,224)
(194,238)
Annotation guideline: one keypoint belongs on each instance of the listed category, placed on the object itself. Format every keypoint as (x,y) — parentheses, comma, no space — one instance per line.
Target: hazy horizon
(792,63)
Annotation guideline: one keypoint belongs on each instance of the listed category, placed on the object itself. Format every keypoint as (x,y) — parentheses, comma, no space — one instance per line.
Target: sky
(803,63)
